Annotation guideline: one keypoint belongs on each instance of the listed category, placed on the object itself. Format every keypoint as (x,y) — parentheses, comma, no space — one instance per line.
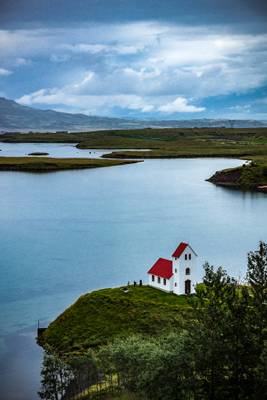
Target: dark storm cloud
(18,13)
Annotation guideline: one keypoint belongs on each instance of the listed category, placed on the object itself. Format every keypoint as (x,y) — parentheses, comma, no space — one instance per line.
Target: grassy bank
(157,138)
(98,317)
(47,164)
(252,176)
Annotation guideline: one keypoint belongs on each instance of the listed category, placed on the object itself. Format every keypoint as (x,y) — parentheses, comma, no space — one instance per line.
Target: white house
(177,275)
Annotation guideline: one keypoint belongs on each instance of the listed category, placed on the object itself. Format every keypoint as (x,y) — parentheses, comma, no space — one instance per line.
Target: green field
(47,164)
(246,143)
(175,141)
(98,317)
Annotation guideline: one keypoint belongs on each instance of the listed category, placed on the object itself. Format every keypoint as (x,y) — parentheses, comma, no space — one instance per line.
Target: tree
(84,371)
(208,333)
(156,368)
(257,279)
(56,376)
(238,341)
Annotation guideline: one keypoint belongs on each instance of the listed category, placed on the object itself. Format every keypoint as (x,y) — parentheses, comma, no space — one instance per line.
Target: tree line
(220,354)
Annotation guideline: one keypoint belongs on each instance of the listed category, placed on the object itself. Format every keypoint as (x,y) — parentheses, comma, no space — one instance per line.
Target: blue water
(66,233)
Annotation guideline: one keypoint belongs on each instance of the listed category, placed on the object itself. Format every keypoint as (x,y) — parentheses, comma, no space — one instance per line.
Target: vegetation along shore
(48,164)
(136,342)
(244,143)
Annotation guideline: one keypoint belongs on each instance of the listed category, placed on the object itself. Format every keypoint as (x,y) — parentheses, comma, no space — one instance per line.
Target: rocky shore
(251,177)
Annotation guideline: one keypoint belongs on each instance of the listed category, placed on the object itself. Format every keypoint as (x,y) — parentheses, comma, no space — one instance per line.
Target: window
(175,270)
(164,281)
(187,271)
(175,284)
(185,256)
(189,256)
(158,279)
(153,278)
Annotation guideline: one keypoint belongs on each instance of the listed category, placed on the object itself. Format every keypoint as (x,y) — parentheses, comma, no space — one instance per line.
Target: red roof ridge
(180,249)
(162,268)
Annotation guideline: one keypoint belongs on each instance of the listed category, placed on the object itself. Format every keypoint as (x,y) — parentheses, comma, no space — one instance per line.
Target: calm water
(53,149)
(66,233)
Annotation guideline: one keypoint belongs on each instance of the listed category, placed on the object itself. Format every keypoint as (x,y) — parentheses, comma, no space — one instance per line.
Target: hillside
(100,316)
(16,117)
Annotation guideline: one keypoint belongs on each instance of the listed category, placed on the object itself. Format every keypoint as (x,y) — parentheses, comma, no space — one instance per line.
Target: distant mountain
(15,117)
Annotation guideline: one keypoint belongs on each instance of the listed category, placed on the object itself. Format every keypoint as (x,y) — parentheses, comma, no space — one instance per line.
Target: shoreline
(50,164)
(127,146)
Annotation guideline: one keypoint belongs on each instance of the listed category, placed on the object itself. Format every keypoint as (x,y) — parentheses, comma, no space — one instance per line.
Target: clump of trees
(221,354)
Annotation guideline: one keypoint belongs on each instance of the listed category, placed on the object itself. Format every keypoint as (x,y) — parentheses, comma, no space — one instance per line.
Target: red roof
(180,249)
(162,268)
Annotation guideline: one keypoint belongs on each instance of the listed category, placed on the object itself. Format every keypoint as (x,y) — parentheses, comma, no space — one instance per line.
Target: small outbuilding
(177,275)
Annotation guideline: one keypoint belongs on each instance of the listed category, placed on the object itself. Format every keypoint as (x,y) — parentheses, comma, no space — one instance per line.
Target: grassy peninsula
(101,316)
(141,343)
(48,164)
(252,176)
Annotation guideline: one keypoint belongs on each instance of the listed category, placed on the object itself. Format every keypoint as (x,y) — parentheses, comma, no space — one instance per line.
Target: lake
(66,233)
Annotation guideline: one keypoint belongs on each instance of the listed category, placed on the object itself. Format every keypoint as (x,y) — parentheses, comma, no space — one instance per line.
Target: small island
(38,153)
(49,164)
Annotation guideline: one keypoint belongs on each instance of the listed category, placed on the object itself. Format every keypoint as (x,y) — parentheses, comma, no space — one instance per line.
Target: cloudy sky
(142,59)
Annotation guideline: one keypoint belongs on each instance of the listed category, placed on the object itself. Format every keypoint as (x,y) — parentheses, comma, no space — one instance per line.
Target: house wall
(180,276)
(167,287)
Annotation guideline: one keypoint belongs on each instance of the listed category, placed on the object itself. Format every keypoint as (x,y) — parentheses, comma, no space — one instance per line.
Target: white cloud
(146,66)
(180,104)
(87,104)
(101,48)
(5,72)
(73,96)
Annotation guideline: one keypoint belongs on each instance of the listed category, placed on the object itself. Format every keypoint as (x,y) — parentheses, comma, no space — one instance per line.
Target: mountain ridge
(17,117)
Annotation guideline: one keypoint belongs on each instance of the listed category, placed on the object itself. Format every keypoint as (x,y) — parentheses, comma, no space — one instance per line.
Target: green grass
(47,164)
(98,317)
(249,143)
(169,140)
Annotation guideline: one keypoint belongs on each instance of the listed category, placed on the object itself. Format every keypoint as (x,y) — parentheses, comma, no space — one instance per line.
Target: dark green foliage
(158,368)
(56,377)
(84,371)
(218,353)
(257,278)
(221,338)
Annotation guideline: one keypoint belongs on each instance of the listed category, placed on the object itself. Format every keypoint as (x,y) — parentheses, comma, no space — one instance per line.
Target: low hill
(16,117)
(100,316)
